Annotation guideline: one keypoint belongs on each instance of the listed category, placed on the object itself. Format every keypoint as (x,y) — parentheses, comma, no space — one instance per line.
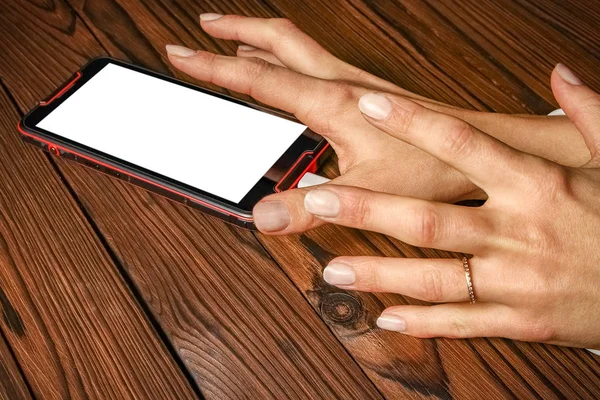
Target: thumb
(582,106)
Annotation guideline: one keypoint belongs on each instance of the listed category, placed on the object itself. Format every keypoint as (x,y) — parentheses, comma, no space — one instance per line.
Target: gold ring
(465,261)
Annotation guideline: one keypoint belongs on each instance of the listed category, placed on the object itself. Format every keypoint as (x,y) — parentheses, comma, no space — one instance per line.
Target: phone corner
(101,60)
(23,126)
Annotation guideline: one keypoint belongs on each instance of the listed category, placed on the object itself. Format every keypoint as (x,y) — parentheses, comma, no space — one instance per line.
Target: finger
(582,106)
(487,162)
(418,222)
(284,213)
(303,95)
(249,51)
(281,37)
(298,51)
(432,280)
(462,320)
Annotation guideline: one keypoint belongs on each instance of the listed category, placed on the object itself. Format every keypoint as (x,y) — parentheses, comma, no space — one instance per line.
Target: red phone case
(308,161)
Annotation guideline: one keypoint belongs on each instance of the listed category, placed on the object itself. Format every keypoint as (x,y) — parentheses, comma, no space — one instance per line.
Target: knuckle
(211,66)
(458,138)
(426,226)
(432,285)
(283,27)
(330,99)
(556,183)
(356,209)
(254,68)
(405,118)
(536,238)
(458,327)
(548,182)
(536,329)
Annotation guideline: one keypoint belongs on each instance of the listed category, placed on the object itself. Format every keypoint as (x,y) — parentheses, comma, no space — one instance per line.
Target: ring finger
(432,280)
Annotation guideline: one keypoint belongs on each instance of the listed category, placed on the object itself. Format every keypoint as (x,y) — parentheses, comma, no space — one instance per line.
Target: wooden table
(108,291)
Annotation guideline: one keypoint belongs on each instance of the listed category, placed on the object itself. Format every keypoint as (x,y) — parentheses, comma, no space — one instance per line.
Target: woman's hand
(535,243)
(289,70)
(367,157)
(280,42)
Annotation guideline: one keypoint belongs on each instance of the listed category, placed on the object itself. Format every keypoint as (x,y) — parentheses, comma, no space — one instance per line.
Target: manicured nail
(179,51)
(323,203)
(391,322)
(245,47)
(271,216)
(209,16)
(339,274)
(568,75)
(374,105)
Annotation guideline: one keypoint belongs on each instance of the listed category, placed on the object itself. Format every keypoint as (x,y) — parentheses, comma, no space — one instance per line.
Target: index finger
(270,84)
(486,161)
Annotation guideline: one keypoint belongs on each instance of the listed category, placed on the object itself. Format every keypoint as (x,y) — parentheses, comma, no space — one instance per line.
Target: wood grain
(12,384)
(240,326)
(420,368)
(73,325)
(218,293)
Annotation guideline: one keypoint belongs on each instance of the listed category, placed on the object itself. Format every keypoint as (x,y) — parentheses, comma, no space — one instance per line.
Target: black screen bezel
(308,141)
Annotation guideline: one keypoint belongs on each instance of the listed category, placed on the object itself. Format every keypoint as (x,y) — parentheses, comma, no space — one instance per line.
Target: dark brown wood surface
(12,382)
(130,295)
(69,317)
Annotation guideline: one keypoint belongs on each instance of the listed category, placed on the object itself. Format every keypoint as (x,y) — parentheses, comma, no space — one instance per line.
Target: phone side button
(54,150)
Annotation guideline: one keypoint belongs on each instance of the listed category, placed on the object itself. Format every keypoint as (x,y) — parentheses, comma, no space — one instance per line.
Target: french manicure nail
(271,216)
(339,274)
(179,51)
(210,16)
(391,322)
(323,203)
(568,75)
(245,47)
(375,105)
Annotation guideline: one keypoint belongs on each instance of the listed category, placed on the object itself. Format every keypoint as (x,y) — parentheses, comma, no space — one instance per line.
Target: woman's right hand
(290,71)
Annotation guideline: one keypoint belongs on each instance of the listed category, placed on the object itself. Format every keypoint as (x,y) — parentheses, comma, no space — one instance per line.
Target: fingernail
(271,216)
(339,274)
(322,202)
(179,51)
(209,16)
(391,322)
(375,105)
(568,75)
(245,47)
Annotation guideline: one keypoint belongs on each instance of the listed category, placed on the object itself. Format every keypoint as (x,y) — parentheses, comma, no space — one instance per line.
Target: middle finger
(417,222)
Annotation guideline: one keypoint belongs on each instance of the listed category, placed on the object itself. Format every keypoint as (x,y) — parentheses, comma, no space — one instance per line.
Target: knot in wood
(341,308)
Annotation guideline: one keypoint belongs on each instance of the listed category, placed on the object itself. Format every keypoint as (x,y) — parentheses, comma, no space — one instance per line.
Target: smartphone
(202,148)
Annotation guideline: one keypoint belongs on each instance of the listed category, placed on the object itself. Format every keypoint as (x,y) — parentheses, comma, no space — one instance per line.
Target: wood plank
(386,38)
(506,81)
(12,383)
(239,325)
(497,32)
(74,326)
(420,374)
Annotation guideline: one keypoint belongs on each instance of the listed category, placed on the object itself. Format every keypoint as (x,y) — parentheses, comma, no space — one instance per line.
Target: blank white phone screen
(203,141)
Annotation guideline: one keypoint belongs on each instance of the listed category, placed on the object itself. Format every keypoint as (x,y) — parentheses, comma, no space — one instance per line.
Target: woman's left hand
(535,243)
